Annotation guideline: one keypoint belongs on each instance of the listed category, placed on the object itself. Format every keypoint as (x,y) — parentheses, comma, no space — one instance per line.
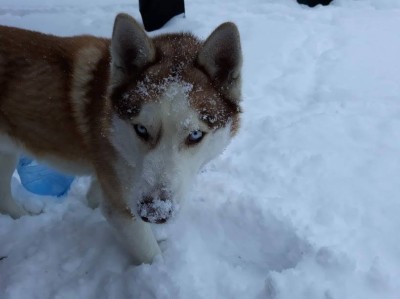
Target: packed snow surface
(305,202)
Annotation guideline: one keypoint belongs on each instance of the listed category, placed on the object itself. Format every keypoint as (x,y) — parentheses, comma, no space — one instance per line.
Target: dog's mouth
(156,211)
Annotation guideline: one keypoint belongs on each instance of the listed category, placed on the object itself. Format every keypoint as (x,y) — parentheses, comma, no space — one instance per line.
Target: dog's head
(176,106)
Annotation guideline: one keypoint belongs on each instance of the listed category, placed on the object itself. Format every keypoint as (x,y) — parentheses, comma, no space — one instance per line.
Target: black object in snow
(313,3)
(155,13)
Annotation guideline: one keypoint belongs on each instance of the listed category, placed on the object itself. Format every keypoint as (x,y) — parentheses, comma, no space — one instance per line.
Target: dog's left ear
(221,58)
(131,48)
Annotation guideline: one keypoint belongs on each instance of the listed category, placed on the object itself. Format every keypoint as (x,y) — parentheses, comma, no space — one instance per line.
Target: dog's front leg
(95,195)
(8,205)
(134,233)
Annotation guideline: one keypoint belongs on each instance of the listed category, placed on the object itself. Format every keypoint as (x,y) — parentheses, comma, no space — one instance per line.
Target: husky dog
(140,114)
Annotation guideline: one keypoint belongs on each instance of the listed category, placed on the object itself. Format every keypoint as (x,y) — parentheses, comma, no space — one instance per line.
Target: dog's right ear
(221,58)
(131,48)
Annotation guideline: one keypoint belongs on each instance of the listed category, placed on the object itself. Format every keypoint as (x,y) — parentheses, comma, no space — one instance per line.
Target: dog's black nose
(150,220)
(155,210)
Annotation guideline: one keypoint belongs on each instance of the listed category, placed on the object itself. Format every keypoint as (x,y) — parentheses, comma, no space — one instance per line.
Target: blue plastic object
(41,180)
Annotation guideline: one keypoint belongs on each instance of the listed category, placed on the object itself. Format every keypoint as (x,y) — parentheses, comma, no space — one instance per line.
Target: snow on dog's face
(176,103)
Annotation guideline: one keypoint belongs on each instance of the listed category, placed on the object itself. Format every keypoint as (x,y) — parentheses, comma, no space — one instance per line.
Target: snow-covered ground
(305,203)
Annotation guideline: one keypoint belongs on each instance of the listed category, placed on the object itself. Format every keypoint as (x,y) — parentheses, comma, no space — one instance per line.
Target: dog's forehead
(170,105)
(190,88)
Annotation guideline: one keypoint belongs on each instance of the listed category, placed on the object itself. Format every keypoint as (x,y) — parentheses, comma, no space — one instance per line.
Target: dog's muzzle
(155,210)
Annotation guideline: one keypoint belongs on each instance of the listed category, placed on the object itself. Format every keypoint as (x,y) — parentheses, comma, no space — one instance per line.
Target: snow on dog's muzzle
(155,210)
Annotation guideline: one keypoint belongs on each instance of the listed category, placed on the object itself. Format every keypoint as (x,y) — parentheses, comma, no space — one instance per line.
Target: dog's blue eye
(141,131)
(195,137)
